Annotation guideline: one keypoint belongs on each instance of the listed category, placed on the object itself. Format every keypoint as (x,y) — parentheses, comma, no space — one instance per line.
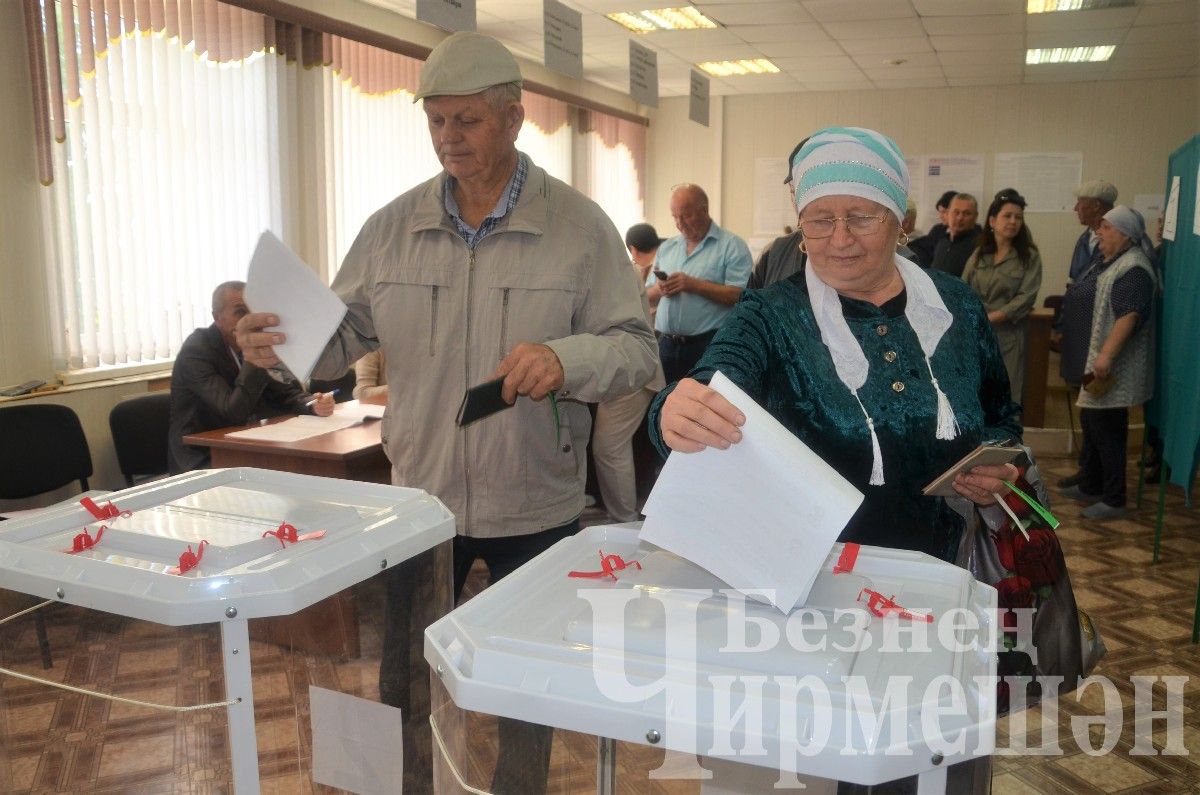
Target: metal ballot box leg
(243,745)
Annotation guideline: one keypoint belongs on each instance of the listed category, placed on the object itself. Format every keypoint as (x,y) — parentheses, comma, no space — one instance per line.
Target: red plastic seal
(189,559)
(609,565)
(287,534)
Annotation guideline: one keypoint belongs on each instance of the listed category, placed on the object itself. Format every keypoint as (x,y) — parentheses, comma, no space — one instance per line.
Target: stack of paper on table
(360,411)
(762,515)
(296,429)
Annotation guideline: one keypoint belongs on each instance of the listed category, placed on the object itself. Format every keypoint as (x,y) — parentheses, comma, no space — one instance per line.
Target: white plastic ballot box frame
(241,575)
(524,649)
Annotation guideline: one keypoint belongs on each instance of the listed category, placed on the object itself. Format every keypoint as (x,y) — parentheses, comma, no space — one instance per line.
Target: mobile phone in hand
(660,275)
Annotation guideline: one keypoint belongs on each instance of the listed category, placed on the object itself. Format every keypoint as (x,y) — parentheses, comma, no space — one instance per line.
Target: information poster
(773,208)
(1047,180)
(451,15)
(698,98)
(643,74)
(1171,214)
(563,32)
(932,175)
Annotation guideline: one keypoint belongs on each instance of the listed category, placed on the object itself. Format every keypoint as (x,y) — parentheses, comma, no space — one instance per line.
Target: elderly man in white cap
(1092,200)
(491,270)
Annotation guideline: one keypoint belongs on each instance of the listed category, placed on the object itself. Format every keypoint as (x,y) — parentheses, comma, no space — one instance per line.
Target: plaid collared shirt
(508,200)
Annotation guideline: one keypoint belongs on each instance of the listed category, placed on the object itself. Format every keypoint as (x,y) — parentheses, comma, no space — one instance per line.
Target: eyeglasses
(857,225)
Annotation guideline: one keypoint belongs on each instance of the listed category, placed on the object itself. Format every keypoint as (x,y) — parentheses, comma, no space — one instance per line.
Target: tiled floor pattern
(51,741)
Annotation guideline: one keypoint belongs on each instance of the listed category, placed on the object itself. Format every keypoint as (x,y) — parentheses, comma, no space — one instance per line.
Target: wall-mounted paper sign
(564,38)
(451,15)
(698,94)
(643,74)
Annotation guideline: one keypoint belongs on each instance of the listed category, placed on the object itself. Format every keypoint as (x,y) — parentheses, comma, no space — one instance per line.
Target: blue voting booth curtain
(1176,405)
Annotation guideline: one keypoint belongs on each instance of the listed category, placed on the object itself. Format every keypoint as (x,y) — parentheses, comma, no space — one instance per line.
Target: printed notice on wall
(563,38)
(959,173)
(698,98)
(1047,180)
(1150,205)
(773,209)
(1171,214)
(451,15)
(643,74)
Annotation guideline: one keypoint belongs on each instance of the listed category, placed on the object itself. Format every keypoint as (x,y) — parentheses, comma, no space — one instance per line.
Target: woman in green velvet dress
(889,372)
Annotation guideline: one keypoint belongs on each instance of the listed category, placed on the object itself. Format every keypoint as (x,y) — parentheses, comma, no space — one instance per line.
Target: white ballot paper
(296,429)
(279,282)
(762,515)
(354,409)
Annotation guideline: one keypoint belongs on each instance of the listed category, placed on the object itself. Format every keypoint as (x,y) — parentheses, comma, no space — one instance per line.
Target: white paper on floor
(357,744)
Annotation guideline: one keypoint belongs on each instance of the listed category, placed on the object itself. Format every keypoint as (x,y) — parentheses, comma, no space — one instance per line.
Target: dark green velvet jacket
(771,348)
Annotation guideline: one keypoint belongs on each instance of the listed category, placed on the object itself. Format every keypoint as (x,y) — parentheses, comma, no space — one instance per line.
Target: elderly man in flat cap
(493,269)
(1092,200)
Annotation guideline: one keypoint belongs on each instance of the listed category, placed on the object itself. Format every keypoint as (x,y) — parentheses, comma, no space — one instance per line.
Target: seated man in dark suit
(212,388)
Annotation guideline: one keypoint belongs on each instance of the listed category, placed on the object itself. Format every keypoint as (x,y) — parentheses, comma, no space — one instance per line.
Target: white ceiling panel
(1065,72)
(814,63)
(756,34)
(721,52)
(1164,33)
(762,84)
(842,11)
(888,47)
(883,29)
(882,74)
(1076,38)
(989,58)
(1168,13)
(978,70)
(993,80)
(914,60)
(671,39)
(931,82)
(837,85)
(1137,52)
(981,43)
(786,49)
(1066,21)
(755,13)
(967,26)
(946,8)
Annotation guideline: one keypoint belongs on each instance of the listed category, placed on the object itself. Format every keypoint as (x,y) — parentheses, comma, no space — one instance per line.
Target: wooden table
(356,453)
(1037,366)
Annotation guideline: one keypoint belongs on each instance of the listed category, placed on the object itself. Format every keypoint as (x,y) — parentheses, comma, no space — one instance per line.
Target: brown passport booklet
(983,455)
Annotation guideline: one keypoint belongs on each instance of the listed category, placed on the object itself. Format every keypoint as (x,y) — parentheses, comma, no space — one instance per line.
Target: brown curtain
(613,131)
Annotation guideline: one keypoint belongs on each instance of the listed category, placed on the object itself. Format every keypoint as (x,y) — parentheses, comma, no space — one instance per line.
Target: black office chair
(344,386)
(140,426)
(45,450)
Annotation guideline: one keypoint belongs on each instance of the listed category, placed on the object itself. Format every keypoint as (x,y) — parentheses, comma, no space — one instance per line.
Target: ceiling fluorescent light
(685,18)
(757,66)
(1094,54)
(1049,6)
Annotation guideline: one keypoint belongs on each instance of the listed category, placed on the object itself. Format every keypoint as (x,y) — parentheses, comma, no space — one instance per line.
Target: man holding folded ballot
(493,269)
(211,386)
(890,372)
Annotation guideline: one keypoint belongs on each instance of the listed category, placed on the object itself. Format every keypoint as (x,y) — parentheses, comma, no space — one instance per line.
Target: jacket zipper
(503,326)
(433,318)
(467,381)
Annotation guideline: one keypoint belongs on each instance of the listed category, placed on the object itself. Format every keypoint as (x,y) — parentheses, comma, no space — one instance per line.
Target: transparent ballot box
(641,672)
(216,631)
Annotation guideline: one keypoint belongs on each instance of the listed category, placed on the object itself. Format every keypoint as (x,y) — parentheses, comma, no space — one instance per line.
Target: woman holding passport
(889,372)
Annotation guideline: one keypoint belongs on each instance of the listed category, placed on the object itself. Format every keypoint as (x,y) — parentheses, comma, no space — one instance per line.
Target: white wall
(1125,130)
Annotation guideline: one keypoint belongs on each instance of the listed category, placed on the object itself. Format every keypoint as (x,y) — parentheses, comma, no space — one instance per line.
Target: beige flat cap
(466,63)
(1097,189)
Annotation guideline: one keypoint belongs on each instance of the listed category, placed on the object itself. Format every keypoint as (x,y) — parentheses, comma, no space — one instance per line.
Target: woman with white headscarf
(889,372)
(1110,305)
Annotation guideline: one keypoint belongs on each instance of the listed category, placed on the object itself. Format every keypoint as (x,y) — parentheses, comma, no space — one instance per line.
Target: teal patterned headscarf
(851,161)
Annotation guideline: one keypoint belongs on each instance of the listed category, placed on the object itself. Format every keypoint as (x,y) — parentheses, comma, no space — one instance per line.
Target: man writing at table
(211,386)
(492,269)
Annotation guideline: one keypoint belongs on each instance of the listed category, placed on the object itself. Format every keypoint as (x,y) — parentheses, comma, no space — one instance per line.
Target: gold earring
(803,250)
(903,239)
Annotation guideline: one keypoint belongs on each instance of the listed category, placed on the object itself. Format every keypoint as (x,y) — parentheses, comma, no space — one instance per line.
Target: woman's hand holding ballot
(695,416)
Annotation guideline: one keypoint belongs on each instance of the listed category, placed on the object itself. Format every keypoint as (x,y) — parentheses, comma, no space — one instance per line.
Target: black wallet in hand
(482,401)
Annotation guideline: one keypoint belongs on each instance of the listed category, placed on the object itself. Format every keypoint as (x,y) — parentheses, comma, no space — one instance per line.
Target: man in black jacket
(924,245)
(212,388)
(962,234)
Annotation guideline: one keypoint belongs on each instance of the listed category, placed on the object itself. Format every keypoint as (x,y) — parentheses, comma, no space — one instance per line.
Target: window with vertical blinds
(172,132)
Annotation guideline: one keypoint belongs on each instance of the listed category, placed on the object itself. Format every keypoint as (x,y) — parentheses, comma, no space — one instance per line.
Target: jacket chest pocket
(531,307)
(416,296)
